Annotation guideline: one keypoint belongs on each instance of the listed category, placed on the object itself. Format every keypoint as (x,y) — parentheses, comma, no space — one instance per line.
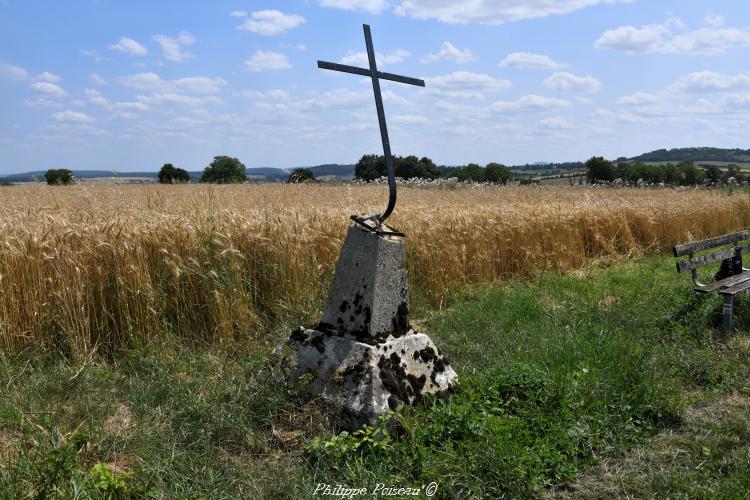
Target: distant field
(105,264)
(743,165)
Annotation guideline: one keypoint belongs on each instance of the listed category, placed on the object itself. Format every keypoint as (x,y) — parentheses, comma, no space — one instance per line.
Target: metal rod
(383,128)
(366,72)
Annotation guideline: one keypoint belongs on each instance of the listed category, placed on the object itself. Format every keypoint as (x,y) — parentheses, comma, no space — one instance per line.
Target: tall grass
(98,266)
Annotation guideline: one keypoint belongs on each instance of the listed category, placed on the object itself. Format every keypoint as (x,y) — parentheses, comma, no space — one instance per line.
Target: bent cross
(376,77)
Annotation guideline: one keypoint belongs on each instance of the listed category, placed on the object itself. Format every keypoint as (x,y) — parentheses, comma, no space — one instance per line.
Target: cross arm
(366,72)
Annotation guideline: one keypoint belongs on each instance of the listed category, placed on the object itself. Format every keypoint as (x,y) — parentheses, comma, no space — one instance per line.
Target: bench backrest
(693,262)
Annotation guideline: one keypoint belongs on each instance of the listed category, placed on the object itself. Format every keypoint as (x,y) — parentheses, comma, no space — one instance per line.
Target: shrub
(168,174)
(301,175)
(59,177)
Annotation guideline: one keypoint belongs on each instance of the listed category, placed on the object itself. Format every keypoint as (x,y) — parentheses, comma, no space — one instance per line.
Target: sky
(131,85)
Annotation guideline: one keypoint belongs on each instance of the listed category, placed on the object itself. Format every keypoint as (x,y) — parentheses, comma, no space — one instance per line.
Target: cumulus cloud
(238,13)
(448,52)
(271,22)
(11,72)
(266,94)
(709,81)
(96,97)
(371,6)
(671,37)
(491,11)
(529,60)
(73,116)
(411,120)
(153,82)
(48,88)
(529,103)
(556,123)
(129,46)
(266,60)
(47,77)
(158,98)
(173,48)
(97,79)
(464,84)
(638,99)
(360,58)
(568,82)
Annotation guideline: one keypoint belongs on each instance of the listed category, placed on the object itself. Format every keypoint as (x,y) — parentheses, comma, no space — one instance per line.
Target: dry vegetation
(100,265)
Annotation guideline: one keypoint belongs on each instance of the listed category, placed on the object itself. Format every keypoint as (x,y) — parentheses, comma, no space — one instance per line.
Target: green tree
(690,175)
(224,170)
(371,167)
(599,169)
(497,173)
(59,177)
(299,175)
(471,172)
(168,174)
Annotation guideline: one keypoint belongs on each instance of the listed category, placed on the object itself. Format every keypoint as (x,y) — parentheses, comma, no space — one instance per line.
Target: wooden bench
(731,279)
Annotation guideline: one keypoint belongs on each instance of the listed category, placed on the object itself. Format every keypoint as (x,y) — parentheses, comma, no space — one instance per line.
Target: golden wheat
(103,265)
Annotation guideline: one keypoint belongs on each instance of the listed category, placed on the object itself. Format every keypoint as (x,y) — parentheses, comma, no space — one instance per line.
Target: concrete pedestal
(363,357)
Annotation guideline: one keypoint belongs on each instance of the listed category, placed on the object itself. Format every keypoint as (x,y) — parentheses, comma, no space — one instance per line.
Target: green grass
(557,375)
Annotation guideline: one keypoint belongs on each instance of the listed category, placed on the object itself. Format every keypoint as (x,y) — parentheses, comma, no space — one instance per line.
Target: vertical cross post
(376,77)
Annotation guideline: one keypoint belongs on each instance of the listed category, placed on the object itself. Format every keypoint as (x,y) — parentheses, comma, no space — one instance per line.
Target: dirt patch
(120,421)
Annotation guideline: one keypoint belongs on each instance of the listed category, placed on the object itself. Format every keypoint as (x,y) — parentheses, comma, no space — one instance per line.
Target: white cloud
(173,48)
(96,97)
(411,120)
(266,94)
(491,11)
(714,20)
(98,80)
(371,6)
(360,58)
(73,116)
(529,103)
(130,106)
(92,54)
(464,84)
(638,99)
(708,81)
(158,98)
(266,60)
(47,77)
(529,60)
(42,102)
(11,72)
(129,46)
(568,82)
(271,22)
(449,53)
(556,123)
(152,81)
(670,38)
(48,88)
(238,13)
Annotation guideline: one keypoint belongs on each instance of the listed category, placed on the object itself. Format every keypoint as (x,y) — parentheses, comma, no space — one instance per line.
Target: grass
(96,267)
(561,376)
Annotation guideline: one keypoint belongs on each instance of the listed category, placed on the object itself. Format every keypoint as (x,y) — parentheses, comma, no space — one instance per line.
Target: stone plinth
(368,297)
(363,357)
(366,380)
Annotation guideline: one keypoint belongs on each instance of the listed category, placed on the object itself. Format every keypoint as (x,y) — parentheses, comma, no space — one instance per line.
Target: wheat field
(100,266)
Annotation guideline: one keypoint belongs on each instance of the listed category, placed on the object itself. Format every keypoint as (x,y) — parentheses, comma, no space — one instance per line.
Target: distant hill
(335,169)
(695,155)
(255,174)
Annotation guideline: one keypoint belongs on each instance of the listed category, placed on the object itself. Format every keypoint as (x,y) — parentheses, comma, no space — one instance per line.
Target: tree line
(371,167)
(685,173)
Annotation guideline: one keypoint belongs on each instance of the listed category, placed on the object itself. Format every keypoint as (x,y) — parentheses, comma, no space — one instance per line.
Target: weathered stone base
(366,380)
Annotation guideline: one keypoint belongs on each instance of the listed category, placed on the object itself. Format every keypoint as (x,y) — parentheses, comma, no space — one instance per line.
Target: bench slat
(739,287)
(704,260)
(698,246)
(726,282)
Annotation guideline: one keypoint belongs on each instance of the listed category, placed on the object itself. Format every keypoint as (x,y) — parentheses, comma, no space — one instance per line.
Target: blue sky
(105,84)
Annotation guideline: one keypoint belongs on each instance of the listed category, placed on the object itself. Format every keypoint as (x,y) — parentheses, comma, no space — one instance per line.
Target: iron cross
(376,77)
